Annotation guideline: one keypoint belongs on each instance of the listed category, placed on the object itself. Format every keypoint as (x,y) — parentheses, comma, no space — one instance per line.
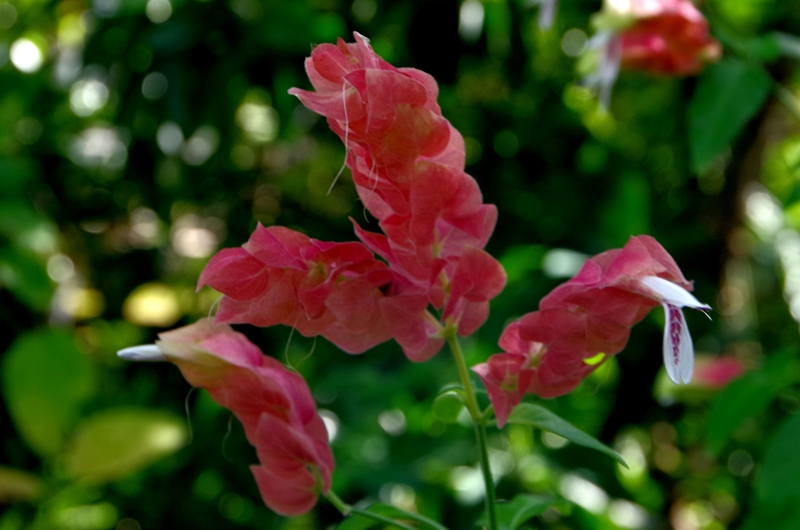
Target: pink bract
(407,164)
(284,277)
(274,405)
(589,315)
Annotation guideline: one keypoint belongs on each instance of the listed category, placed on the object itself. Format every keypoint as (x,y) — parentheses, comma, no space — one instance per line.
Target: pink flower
(274,405)
(407,164)
(668,37)
(284,277)
(716,372)
(587,319)
(661,37)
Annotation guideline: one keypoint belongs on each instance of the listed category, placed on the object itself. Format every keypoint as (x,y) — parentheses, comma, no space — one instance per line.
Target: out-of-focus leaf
(17,485)
(447,406)
(542,418)
(522,260)
(628,210)
(774,517)
(114,443)
(788,44)
(46,380)
(728,94)
(747,397)
(25,277)
(777,482)
(511,515)
(15,173)
(414,520)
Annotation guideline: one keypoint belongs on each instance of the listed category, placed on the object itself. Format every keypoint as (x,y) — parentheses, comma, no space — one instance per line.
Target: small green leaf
(727,96)
(46,380)
(511,515)
(538,416)
(414,520)
(448,406)
(747,396)
(118,442)
(595,359)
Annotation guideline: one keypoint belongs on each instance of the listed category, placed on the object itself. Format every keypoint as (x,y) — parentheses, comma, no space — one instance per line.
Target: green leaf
(522,260)
(538,416)
(46,380)
(447,406)
(118,442)
(16,173)
(25,277)
(747,396)
(727,96)
(361,522)
(511,515)
(777,482)
(775,517)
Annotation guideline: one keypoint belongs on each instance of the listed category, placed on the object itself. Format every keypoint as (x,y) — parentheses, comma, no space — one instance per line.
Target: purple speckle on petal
(674,322)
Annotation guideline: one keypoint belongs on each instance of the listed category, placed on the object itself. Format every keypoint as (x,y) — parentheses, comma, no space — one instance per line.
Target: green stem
(347,510)
(478,422)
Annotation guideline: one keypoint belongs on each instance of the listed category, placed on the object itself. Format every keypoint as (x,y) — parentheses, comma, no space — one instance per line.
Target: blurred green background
(138,137)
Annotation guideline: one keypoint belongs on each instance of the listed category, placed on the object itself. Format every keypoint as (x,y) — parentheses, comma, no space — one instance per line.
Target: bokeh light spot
(152,304)
(26,56)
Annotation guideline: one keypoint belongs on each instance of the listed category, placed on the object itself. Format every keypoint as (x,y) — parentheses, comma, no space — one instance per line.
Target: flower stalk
(478,422)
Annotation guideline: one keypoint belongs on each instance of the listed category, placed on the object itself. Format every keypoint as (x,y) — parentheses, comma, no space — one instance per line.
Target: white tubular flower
(678,348)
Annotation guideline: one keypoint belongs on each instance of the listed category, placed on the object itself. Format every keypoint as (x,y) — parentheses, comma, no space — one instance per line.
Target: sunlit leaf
(46,381)
(727,96)
(542,418)
(118,442)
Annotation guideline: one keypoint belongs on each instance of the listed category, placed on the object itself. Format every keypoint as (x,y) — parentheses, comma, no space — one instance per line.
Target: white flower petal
(678,348)
(142,353)
(673,293)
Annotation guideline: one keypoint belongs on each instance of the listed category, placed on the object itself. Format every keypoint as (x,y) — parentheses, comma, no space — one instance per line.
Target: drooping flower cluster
(274,405)
(407,164)
(661,37)
(668,37)
(586,320)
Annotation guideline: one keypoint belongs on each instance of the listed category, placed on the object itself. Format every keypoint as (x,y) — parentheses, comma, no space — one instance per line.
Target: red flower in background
(588,319)
(661,37)
(274,405)
(668,37)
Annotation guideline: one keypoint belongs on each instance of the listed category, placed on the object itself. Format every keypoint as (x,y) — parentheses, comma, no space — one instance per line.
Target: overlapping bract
(668,37)
(407,164)
(579,324)
(281,276)
(274,405)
